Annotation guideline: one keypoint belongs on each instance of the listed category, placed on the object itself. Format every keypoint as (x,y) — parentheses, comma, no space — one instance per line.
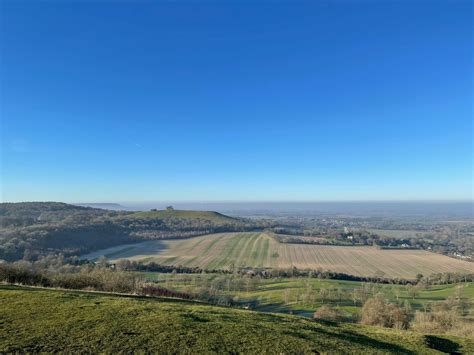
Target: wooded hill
(33,229)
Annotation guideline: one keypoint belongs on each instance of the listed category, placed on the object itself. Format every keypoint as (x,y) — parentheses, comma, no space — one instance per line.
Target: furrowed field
(36,320)
(258,250)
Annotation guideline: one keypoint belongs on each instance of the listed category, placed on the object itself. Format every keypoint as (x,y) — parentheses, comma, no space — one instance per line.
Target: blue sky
(236,100)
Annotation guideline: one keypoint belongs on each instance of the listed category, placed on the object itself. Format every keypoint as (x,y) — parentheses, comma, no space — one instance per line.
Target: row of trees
(84,277)
(434,279)
(99,277)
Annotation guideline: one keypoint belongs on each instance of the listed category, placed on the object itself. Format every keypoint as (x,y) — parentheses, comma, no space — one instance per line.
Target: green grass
(185,214)
(270,292)
(36,320)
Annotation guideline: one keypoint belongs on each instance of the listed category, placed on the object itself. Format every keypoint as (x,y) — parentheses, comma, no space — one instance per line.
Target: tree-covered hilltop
(29,213)
(33,229)
(170,213)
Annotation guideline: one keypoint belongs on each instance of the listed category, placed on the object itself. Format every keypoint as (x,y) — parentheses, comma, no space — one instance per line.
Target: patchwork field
(258,250)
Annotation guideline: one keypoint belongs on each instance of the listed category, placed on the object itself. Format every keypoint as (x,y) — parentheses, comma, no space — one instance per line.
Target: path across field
(220,251)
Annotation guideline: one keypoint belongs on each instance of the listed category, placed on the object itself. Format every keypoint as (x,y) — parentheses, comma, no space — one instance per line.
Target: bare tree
(286,295)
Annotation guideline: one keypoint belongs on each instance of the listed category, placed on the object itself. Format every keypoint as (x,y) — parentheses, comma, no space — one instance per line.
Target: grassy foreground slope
(50,321)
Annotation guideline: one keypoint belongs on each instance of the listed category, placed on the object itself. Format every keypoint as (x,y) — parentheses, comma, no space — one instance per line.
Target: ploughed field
(258,250)
(37,320)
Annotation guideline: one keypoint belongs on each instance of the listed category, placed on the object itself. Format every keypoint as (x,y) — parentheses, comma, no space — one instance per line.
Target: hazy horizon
(431,209)
(244,201)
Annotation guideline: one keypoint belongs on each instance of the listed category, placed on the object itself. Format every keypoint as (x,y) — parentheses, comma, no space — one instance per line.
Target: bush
(378,311)
(327,312)
(434,322)
(445,317)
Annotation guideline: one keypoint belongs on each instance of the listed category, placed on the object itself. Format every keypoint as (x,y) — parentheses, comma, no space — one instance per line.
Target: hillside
(31,230)
(211,216)
(25,213)
(105,206)
(303,296)
(76,321)
(257,250)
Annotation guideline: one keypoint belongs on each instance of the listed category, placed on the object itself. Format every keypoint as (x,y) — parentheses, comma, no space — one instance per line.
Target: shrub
(378,311)
(327,312)
(434,322)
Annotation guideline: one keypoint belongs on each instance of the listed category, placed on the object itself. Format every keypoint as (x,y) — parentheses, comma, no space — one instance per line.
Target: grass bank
(49,320)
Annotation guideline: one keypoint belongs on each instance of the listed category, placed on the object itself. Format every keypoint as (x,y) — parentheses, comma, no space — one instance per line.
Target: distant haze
(460,209)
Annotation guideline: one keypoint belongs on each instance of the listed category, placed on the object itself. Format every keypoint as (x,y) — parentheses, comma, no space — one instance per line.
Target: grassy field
(35,320)
(212,216)
(258,250)
(289,295)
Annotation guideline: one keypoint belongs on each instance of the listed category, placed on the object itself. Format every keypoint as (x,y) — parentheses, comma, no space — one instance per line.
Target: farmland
(258,250)
(302,296)
(35,320)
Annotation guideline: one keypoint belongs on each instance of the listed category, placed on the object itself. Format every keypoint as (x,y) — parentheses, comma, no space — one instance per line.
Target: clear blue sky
(236,100)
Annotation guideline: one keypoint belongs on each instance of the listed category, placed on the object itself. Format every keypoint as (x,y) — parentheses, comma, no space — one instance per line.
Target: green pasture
(287,295)
(38,320)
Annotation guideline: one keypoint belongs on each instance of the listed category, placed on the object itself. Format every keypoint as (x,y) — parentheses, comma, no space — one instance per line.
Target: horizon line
(251,201)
